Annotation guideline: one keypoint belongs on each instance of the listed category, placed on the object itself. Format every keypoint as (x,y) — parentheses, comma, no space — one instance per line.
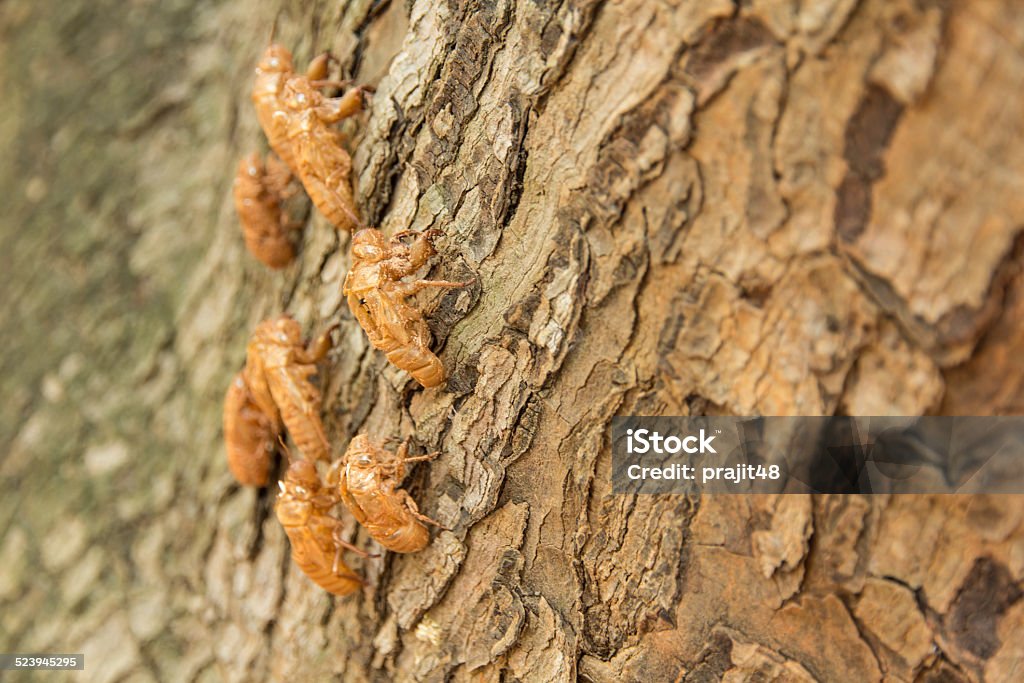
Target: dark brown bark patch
(724,41)
(986,594)
(867,137)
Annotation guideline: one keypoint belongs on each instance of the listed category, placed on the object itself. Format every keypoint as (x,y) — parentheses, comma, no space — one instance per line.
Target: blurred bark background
(766,206)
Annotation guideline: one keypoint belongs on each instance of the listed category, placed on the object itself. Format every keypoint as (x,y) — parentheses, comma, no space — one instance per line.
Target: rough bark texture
(766,206)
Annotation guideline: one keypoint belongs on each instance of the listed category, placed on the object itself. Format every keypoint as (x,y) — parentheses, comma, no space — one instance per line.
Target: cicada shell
(303,509)
(256,380)
(249,435)
(285,364)
(366,480)
(376,296)
(275,68)
(320,160)
(258,191)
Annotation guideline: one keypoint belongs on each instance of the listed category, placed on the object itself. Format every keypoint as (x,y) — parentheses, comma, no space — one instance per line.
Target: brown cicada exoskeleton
(259,191)
(303,508)
(376,298)
(280,366)
(366,479)
(320,160)
(275,68)
(249,435)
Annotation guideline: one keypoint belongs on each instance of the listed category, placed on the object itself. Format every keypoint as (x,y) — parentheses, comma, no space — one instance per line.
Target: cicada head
(276,59)
(250,166)
(368,245)
(287,331)
(360,452)
(302,474)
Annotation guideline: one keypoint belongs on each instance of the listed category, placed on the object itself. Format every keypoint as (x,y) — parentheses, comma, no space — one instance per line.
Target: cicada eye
(364,460)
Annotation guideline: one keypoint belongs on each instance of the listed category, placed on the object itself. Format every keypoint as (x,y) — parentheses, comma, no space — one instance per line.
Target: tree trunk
(667,208)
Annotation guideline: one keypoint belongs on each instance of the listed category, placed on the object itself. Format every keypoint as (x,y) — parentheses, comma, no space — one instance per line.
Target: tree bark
(768,207)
